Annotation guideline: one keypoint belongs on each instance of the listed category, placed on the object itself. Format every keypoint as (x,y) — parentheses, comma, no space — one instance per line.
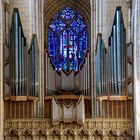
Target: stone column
(92,48)
(136,58)
(129,5)
(90,137)
(41,57)
(75,137)
(61,137)
(1,71)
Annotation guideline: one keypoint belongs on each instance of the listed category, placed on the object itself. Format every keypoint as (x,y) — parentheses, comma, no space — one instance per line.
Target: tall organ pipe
(115,58)
(101,81)
(33,68)
(17,57)
(117,55)
(119,58)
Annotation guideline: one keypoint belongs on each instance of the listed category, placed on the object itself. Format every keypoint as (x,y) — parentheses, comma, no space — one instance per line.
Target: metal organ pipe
(112,69)
(124,54)
(119,58)
(81,79)
(104,72)
(85,65)
(33,68)
(50,77)
(101,81)
(17,57)
(115,58)
(46,73)
(98,83)
(117,55)
(84,78)
(88,76)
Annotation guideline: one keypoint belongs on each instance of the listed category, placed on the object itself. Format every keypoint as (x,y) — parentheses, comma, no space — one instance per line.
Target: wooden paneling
(116,109)
(18,109)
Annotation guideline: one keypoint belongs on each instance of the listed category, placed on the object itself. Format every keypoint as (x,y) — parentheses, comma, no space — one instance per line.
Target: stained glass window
(67,40)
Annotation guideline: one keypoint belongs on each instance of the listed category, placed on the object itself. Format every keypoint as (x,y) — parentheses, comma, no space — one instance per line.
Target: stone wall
(104,11)
(27,15)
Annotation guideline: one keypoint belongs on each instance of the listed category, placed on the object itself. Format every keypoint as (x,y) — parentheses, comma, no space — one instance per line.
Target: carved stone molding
(91,127)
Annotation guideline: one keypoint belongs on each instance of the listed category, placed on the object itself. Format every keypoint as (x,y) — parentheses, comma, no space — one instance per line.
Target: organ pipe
(88,76)
(17,57)
(50,77)
(101,80)
(117,55)
(46,73)
(34,68)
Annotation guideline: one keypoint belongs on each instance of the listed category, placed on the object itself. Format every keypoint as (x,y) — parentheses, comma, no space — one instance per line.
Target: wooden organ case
(21,73)
(114,73)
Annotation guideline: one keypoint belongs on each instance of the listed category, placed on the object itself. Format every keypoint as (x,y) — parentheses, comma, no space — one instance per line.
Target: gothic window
(67,40)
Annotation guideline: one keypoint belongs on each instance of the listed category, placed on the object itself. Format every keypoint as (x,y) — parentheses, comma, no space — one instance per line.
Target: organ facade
(68,70)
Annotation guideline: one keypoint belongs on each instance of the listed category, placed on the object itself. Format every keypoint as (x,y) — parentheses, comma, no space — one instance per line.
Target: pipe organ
(33,68)
(113,80)
(84,77)
(114,73)
(101,80)
(67,92)
(117,56)
(24,78)
(17,57)
(50,77)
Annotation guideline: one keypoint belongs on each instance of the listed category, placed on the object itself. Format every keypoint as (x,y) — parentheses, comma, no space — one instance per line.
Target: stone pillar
(61,137)
(75,137)
(41,55)
(47,137)
(136,58)
(129,5)
(1,71)
(92,58)
(90,137)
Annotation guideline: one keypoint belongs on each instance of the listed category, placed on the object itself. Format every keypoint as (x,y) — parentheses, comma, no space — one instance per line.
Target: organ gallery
(69,70)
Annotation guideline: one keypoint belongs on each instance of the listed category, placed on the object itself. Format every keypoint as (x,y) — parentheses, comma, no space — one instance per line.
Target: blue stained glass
(67,40)
(67,13)
(57,25)
(78,25)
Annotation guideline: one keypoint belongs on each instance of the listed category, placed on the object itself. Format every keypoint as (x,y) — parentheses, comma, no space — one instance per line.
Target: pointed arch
(51,7)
